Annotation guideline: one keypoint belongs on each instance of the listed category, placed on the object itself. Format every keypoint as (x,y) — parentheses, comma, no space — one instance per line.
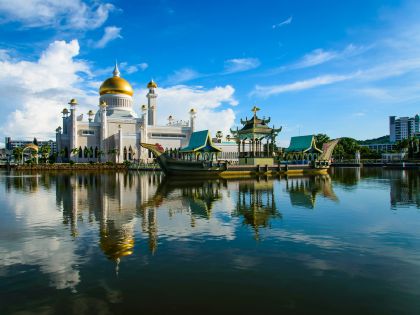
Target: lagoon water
(132,243)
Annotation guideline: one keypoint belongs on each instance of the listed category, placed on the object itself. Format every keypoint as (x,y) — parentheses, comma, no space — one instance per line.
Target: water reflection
(405,189)
(303,190)
(256,203)
(70,231)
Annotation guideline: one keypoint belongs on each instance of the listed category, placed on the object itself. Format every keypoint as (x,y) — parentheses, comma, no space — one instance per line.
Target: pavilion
(200,147)
(302,148)
(250,139)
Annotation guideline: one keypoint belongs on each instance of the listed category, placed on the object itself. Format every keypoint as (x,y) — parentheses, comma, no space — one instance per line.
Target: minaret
(151,103)
(104,126)
(193,115)
(143,136)
(120,143)
(73,127)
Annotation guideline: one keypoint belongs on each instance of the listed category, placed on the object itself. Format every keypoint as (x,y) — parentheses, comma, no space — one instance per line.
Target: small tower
(193,115)
(73,128)
(104,126)
(143,151)
(151,103)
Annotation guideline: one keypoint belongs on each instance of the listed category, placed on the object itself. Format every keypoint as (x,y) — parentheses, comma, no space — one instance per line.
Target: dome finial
(116,71)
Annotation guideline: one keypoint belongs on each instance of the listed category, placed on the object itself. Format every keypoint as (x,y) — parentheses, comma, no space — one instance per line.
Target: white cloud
(183,75)
(210,104)
(231,66)
(379,72)
(316,57)
(320,56)
(37,91)
(67,14)
(285,22)
(240,65)
(110,33)
(129,69)
(265,91)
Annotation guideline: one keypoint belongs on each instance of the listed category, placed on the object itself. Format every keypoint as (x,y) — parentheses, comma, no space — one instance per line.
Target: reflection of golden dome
(152,85)
(116,246)
(116,85)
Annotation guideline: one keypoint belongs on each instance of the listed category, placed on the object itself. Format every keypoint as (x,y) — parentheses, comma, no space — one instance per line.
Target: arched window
(125,153)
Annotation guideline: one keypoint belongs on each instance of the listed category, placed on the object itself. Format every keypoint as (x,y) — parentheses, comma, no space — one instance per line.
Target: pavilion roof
(200,141)
(256,126)
(303,144)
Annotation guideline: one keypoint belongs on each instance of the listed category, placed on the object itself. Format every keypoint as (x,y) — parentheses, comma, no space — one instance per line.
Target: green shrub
(109,163)
(71,162)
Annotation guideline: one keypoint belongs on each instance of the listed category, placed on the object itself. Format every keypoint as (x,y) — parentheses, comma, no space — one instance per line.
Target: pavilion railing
(255,154)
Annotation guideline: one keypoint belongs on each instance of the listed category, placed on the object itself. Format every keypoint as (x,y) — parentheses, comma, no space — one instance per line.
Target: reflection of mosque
(405,188)
(113,200)
(256,203)
(303,190)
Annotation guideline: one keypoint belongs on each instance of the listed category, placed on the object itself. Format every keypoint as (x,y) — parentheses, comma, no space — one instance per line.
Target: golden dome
(73,101)
(152,85)
(115,85)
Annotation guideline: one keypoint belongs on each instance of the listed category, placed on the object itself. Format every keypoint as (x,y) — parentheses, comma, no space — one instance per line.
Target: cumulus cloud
(240,65)
(110,33)
(37,90)
(67,14)
(214,106)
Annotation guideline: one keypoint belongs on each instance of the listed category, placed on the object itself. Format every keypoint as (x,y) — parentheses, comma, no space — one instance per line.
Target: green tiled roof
(200,141)
(302,144)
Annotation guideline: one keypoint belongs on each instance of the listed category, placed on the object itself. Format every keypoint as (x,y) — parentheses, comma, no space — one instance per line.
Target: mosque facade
(115,131)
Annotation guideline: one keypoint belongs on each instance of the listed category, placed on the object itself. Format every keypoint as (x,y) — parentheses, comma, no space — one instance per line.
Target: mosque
(114,132)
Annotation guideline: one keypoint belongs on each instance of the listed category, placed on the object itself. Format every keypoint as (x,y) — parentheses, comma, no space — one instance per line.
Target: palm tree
(75,151)
(99,154)
(45,152)
(89,153)
(115,151)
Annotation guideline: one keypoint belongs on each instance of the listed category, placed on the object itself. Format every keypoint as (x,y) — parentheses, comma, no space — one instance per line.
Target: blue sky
(334,67)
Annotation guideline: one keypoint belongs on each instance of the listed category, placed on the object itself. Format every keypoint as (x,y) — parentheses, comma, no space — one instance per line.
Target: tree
(115,152)
(320,139)
(75,151)
(89,152)
(45,152)
(17,153)
(35,141)
(99,155)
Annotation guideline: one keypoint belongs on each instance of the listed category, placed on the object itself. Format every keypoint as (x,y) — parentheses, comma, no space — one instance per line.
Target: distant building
(229,149)
(11,144)
(403,127)
(380,147)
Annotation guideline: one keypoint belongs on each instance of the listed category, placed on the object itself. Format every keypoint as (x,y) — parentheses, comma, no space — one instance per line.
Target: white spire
(116,72)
